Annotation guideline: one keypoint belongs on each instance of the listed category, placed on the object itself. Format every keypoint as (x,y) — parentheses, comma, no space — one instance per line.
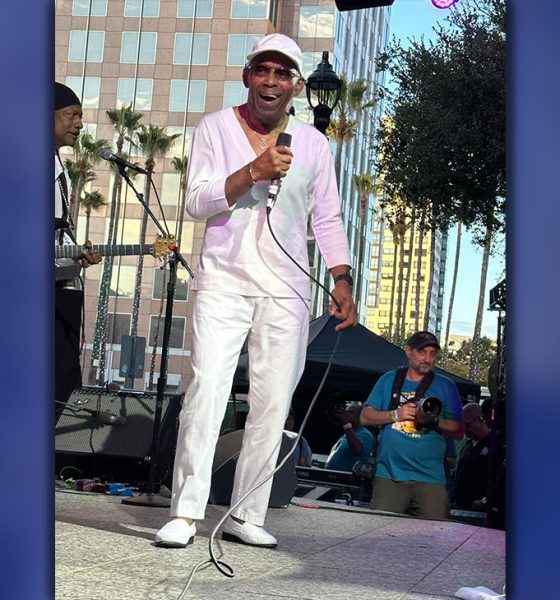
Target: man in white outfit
(247,288)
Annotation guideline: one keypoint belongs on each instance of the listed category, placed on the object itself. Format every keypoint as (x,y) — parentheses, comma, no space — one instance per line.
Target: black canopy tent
(361,358)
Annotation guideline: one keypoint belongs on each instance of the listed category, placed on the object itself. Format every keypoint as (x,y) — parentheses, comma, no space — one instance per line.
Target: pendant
(263,144)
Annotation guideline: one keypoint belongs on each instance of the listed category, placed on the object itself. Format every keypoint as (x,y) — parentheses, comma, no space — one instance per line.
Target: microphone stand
(149,498)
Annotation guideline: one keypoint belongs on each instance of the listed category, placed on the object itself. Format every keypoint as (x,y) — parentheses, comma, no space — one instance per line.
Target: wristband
(344,277)
(347,426)
(394,416)
(253,180)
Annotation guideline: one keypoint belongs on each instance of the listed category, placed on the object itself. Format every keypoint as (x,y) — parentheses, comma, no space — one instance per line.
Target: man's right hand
(407,412)
(274,163)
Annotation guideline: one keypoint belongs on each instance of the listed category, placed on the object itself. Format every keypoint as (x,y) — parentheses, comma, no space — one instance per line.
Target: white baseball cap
(278,42)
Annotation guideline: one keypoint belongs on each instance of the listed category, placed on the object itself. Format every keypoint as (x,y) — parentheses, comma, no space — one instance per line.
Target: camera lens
(430,406)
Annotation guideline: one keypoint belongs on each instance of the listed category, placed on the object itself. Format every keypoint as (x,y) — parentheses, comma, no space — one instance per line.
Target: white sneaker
(247,533)
(176,534)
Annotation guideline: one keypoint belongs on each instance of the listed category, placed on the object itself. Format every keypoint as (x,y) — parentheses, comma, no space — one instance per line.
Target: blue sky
(410,19)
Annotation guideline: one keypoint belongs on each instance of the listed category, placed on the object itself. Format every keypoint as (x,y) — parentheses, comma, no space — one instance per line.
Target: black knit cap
(64,96)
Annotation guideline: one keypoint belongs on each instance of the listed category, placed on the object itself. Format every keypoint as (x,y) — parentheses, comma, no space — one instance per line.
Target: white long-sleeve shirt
(239,254)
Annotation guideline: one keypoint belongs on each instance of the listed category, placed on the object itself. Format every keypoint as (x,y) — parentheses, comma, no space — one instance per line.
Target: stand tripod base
(149,500)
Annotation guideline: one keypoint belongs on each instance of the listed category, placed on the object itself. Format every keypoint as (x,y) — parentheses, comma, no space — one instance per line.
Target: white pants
(278,330)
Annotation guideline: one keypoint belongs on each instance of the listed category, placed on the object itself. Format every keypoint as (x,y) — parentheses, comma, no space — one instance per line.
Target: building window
(170,189)
(176,337)
(130,51)
(81,8)
(161,277)
(185,45)
(181,146)
(186,239)
(122,281)
(316,21)
(239,45)
(249,9)
(187,95)
(141,8)
(128,230)
(118,324)
(185,9)
(87,89)
(235,93)
(310,62)
(142,100)
(303,111)
(77,46)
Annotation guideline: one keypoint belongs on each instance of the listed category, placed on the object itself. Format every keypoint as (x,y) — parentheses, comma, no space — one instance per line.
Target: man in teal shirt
(410,476)
(356,442)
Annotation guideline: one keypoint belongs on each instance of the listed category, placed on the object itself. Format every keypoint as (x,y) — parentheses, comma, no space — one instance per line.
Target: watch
(344,277)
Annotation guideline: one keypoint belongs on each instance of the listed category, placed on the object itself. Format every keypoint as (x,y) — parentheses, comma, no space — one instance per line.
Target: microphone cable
(223,567)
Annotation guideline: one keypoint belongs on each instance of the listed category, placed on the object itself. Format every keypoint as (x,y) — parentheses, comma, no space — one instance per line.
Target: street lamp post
(324,87)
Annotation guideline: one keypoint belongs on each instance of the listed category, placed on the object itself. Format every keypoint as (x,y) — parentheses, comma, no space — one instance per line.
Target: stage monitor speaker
(343,5)
(223,470)
(116,426)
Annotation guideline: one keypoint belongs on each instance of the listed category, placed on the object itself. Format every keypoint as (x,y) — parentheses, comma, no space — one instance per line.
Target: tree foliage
(459,358)
(442,151)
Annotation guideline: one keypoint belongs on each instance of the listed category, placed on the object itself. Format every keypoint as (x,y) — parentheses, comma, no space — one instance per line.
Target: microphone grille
(284,139)
(105,153)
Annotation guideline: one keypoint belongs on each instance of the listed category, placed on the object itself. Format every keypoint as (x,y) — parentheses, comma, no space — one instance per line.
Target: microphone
(106,418)
(284,139)
(106,154)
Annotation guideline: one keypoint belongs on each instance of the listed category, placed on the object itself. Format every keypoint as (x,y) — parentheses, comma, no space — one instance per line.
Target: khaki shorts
(425,500)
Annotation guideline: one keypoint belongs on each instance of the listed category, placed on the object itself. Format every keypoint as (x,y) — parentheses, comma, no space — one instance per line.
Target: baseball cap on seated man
(423,339)
(278,42)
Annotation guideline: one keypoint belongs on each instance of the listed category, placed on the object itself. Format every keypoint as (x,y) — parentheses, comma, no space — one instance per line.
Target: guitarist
(68,290)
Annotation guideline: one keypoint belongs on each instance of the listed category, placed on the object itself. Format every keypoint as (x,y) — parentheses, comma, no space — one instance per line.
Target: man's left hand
(347,313)
(88,257)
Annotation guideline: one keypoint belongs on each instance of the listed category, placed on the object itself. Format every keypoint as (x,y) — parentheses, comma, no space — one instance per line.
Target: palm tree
(86,156)
(180,165)
(152,141)
(92,201)
(73,170)
(125,121)
(452,292)
(366,187)
(344,125)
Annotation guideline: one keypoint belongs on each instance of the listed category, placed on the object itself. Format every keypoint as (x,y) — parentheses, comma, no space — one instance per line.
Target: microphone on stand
(284,139)
(106,154)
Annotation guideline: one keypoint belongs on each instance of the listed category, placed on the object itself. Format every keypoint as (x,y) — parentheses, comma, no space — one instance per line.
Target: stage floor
(104,549)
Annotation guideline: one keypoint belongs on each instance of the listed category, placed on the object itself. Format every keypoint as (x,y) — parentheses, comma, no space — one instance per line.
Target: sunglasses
(281,74)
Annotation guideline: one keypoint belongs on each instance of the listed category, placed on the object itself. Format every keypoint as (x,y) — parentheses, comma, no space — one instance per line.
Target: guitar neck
(71,251)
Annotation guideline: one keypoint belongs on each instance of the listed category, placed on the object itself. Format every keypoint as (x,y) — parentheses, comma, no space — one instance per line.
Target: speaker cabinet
(110,434)
(223,470)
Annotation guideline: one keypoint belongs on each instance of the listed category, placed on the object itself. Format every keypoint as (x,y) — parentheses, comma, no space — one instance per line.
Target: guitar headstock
(163,246)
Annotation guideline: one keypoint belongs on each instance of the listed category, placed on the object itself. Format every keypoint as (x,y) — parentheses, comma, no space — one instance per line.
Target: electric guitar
(158,249)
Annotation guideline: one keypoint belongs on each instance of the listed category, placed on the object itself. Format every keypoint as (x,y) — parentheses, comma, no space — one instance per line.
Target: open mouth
(269,98)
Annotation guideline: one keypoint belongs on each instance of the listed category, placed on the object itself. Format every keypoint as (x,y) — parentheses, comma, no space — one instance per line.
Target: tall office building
(174,61)
(383,293)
